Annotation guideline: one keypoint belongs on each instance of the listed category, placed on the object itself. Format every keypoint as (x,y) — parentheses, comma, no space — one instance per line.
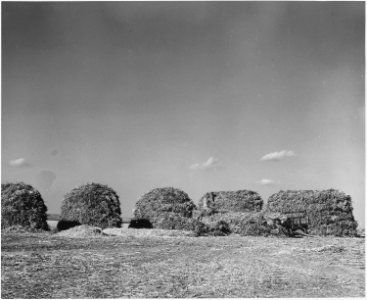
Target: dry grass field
(45,265)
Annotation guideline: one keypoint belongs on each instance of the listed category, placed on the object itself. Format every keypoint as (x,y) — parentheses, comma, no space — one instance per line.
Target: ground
(38,265)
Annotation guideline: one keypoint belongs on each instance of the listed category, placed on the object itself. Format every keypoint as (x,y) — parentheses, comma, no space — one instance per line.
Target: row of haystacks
(90,204)
(172,209)
(217,213)
(328,212)
(288,213)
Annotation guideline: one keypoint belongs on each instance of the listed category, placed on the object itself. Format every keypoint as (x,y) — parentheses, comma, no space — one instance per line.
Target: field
(44,265)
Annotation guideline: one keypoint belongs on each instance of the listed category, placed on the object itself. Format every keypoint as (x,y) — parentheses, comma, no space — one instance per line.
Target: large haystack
(230,201)
(327,212)
(92,204)
(162,203)
(21,204)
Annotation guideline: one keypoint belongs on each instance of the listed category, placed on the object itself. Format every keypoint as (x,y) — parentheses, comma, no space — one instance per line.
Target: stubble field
(44,265)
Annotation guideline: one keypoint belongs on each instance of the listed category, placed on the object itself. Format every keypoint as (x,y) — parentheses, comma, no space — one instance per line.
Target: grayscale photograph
(182,149)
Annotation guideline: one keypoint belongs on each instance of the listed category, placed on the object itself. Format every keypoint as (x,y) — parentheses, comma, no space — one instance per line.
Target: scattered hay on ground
(132,232)
(82,231)
(330,248)
(53,267)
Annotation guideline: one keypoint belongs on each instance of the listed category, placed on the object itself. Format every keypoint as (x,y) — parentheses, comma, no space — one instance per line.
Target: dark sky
(203,96)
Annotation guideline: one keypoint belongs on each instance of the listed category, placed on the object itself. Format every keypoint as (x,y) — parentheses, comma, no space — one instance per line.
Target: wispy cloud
(19,163)
(278,155)
(211,162)
(267,182)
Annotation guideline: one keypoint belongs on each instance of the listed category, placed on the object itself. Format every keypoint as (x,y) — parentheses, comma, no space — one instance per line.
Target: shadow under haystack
(22,205)
(327,212)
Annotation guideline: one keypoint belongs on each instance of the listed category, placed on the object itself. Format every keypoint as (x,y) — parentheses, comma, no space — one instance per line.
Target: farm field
(44,265)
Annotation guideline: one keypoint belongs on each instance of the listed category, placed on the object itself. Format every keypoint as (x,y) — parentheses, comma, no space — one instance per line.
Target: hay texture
(227,201)
(166,208)
(21,204)
(327,212)
(92,204)
(146,233)
(82,231)
(243,223)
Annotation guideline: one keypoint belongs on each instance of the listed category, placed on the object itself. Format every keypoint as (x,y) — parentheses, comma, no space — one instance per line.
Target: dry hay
(143,233)
(21,204)
(166,208)
(239,209)
(22,229)
(92,204)
(176,222)
(328,212)
(328,248)
(82,231)
(243,223)
(117,267)
(235,201)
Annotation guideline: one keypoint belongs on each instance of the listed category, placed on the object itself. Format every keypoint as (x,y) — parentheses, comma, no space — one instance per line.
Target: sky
(201,96)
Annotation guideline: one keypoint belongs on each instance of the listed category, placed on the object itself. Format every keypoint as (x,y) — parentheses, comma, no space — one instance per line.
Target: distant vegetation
(53,217)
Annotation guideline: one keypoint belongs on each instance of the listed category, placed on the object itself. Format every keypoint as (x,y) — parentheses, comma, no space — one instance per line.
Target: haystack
(236,201)
(21,204)
(162,205)
(243,223)
(92,204)
(327,212)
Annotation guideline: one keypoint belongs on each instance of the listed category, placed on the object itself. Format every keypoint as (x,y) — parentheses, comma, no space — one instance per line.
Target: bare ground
(51,266)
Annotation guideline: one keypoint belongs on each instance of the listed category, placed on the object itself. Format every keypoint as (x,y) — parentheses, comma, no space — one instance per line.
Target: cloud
(45,179)
(267,182)
(19,163)
(212,162)
(278,155)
